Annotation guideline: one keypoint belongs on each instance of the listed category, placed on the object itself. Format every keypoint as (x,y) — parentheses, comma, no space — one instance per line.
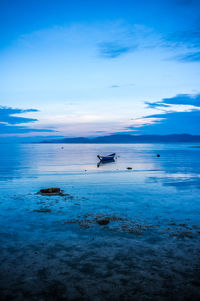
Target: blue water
(167,186)
(25,168)
(161,193)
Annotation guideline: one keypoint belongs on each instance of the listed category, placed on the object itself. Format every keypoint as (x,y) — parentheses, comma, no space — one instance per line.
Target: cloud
(121,86)
(188,2)
(10,124)
(111,50)
(190,38)
(5,129)
(6,115)
(153,105)
(174,122)
(187,42)
(114,86)
(168,123)
(189,57)
(180,99)
(183,120)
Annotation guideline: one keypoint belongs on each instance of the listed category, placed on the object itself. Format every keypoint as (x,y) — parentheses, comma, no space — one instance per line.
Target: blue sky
(89,68)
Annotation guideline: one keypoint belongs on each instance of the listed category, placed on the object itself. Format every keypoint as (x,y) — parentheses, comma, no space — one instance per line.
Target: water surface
(152,236)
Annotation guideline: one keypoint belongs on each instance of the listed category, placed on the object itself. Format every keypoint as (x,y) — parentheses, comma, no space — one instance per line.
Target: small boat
(110,157)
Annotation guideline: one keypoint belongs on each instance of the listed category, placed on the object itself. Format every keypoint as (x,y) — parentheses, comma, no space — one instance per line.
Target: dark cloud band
(10,124)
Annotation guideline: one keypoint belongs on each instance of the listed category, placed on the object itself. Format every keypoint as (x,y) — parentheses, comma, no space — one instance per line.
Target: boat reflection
(104,162)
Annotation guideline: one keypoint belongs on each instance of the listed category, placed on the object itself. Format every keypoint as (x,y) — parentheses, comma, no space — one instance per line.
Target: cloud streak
(6,115)
(189,57)
(186,41)
(170,121)
(112,50)
(11,124)
(180,99)
(174,122)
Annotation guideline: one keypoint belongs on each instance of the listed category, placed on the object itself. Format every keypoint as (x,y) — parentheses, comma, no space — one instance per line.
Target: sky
(99,67)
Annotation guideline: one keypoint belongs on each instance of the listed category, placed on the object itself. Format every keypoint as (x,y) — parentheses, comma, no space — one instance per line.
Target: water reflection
(101,163)
(13,160)
(177,181)
(179,162)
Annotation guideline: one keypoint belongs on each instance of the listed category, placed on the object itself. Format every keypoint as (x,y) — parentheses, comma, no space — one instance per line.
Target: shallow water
(152,237)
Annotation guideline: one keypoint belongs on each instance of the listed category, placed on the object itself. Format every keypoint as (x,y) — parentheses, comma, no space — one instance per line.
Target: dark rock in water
(43,210)
(128,167)
(158,155)
(103,222)
(50,191)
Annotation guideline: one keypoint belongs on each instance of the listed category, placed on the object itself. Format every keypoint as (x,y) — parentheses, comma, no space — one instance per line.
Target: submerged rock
(50,191)
(158,155)
(182,234)
(43,210)
(103,221)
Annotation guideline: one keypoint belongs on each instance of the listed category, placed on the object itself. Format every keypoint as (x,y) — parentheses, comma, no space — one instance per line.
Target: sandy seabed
(47,254)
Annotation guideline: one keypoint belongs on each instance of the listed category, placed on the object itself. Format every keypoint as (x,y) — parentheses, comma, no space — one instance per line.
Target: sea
(123,230)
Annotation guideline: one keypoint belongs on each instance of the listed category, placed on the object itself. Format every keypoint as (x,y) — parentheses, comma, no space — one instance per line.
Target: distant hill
(130,139)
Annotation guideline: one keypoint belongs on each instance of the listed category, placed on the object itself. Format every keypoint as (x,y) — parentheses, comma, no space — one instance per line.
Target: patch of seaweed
(182,234)
(111,223)
(53,192)
(43,210)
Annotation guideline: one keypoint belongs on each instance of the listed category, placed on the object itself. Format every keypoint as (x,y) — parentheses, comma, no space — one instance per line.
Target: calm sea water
(171,181)
(158,199)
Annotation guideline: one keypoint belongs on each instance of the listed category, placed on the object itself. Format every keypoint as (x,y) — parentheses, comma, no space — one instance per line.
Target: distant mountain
(130,139)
